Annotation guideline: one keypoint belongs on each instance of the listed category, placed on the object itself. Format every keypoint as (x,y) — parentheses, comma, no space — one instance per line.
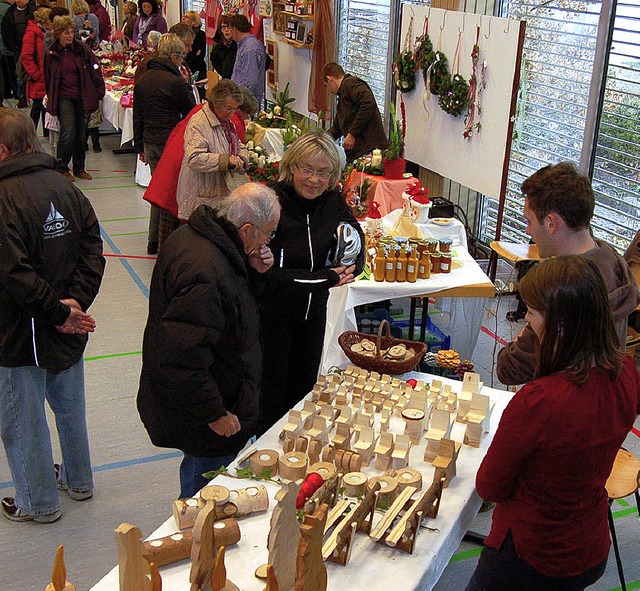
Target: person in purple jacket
(103,18)
(149,20)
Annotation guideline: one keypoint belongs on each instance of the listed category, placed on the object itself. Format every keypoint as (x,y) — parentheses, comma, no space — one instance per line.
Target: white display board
(434,139)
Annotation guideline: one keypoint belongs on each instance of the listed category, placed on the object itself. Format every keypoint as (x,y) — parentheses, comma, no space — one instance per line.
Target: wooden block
(385,417)
(284,535)
(401,450)
(293,426)
(365,444)
(314,451)
(440,427)
(319,429)
(406,477)
(383,451)
(354,484)
(309,410)
(289,445)
(342,438)
(414,423)
(293,465)
(311,572)
(345,415)
(264,461)
(445,462)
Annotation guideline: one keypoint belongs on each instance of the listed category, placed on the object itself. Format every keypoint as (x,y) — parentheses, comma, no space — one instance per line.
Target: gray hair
(308,147)
(250,203)
(18,133)
(154,38)
(182,30)
(249,103)
(221,91)
(170,43)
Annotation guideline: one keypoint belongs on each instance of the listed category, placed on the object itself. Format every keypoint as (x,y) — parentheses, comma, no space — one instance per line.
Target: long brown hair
(579,332)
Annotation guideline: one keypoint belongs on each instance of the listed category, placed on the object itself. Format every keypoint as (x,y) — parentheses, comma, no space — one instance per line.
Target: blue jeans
(26,438)
(73,135)
(192,469)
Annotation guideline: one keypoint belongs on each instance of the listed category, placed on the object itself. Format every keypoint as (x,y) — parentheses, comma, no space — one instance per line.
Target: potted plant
(394,161)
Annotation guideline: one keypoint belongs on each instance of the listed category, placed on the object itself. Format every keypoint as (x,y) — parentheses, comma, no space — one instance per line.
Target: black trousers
(73,135)
(504,570)
(291,358)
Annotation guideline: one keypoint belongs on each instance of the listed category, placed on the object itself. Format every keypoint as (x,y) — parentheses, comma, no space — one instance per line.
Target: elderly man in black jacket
(357,116)
(201,354)
(161,98)
(51,267)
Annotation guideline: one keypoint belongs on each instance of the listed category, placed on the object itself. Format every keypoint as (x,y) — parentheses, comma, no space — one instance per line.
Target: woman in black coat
(293,307)
(196,57)
(223,52)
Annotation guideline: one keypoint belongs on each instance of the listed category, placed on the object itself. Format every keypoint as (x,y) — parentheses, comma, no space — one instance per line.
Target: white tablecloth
(118,116)
(343,300)
(374,567)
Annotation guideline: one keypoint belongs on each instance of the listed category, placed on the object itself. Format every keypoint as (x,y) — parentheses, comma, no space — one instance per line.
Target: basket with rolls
(384,354)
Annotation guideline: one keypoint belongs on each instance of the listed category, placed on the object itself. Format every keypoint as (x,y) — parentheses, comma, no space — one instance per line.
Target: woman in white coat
(215,160)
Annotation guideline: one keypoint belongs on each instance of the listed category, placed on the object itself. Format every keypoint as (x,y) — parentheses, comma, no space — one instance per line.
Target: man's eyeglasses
(180,55)
(270,236)
(308,172)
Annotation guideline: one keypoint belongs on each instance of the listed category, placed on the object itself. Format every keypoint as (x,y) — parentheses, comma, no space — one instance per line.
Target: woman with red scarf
(214,161)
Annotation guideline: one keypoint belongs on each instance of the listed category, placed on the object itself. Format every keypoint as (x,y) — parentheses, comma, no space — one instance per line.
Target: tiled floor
(136,482)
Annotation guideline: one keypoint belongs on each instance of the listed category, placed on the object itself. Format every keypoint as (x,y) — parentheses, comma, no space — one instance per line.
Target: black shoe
(97,149)
(152,248)
(23,103)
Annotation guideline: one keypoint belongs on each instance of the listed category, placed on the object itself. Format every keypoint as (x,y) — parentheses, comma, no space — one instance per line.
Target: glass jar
(445,245)
(445,262)
(435,262)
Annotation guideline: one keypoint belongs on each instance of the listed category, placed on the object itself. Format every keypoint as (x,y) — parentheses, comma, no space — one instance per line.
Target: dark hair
(560,188)
(154,7)
(240,22)
(58,11)
(579,333)
(18,133)
(182,30)
(332,69)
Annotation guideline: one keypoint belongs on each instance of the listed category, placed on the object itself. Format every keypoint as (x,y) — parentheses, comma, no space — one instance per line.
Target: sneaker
(67,175)
(84,175)
(74,494)
(11,512)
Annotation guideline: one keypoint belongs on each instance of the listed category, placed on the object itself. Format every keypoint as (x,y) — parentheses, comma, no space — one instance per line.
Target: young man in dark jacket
(357,116)
(201,354)
(160,99)
(51,266)
(558,207)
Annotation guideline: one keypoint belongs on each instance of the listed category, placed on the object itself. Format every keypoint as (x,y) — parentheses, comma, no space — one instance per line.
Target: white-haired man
(201,355)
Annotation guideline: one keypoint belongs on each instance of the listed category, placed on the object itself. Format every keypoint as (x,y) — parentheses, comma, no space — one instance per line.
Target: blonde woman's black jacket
(50,249)
(298,284)
(201,354)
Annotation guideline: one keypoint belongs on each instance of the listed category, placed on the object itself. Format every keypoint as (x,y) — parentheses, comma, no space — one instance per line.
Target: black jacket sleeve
(138,122)
(361,95)
(183,94)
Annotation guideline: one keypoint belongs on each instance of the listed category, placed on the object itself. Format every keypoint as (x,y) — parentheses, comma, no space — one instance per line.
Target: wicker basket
(389,366)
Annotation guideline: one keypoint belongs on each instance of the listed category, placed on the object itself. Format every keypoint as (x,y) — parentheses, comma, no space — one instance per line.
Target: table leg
(412,316)
(424,318)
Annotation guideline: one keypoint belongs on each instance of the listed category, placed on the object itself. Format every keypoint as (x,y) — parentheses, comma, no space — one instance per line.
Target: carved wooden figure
(441,425)
(133,568)
(311,572)
(284,536)
(59,574)
(445,462)
(219,581)
(383,451)
(365,444)
(272,582)
(401,450)
(202,550)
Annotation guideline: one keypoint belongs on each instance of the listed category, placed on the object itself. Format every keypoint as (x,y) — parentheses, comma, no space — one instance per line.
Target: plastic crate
(434,338)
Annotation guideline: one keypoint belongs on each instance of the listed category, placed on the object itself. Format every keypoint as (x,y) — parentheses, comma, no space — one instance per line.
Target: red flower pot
(394,169)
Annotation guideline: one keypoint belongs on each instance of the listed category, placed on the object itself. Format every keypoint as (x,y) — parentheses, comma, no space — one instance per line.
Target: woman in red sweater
(557,440)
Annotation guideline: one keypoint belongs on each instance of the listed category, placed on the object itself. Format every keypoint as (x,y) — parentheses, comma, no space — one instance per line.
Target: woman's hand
(236,163)
(345,274)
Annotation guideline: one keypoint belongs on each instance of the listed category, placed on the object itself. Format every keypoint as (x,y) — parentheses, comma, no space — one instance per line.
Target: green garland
(439,72)
(424,49)
(404,69)
(454,95)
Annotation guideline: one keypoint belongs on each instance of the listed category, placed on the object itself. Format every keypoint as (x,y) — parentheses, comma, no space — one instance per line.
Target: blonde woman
(196,57)
(86,24)
(130,10)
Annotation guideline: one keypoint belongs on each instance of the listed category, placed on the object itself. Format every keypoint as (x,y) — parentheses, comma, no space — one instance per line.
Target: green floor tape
(464,555)
(127,354)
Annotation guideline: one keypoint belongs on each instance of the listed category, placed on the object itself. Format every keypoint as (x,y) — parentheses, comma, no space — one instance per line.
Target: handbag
(347,248)
(21,73)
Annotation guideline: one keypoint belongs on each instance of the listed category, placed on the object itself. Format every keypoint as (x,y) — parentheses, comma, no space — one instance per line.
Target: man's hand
(261,258)
(227,425)
(345,274)
(349,142)
(78,321)
(143,158)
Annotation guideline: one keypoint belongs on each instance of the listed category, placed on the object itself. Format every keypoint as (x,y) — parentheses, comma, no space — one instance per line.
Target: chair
(622,482)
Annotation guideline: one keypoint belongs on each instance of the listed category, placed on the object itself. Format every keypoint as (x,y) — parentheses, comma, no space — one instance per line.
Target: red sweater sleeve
(523,421)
